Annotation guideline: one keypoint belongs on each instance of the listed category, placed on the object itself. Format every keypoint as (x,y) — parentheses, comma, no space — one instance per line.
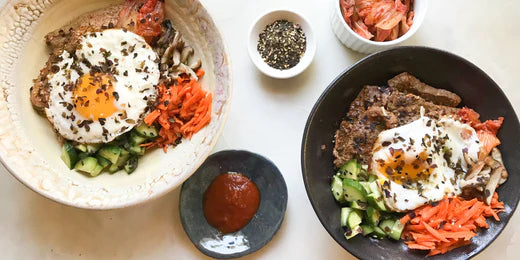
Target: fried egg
(422,161)
(103,89)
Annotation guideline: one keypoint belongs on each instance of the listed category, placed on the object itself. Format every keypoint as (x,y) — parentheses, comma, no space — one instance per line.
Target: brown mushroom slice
(196,65)
(186,53)
(497,155)
(475,170)
(167,54)
(493,183)
(468,160)
(492,162)
(176,58)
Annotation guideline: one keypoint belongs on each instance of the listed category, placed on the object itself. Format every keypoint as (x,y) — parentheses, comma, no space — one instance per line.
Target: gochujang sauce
(230,202)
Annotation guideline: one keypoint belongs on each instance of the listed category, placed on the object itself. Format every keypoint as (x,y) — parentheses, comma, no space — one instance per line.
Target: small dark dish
(267,220)
(437,68)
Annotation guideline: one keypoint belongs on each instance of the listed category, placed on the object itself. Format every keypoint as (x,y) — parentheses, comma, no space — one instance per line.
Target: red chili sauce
(230,202)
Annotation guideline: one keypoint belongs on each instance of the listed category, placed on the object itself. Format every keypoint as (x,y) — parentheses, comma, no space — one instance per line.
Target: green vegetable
(366,229)
(397,230)
(353,191)
(386,225)
(110,153)
(337,189)
(354,219)
(373,216)
(350,169)
(131,164)
(146,131)
(69,155)
(353,232)
(378,232)
(344,215)
(87,165)
(359,205)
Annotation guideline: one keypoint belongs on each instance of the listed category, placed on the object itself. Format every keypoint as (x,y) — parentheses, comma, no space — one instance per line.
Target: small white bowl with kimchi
(369,26)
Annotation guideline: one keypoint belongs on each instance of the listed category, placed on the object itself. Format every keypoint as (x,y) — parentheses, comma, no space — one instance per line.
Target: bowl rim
(160,193)
(413,29)
(298,68)
(320,100)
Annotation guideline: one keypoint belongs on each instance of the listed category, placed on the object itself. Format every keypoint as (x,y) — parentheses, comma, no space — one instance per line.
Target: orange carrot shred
(449,224)
(183,109)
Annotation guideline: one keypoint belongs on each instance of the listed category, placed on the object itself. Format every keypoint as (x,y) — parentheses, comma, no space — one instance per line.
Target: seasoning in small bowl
(281,44)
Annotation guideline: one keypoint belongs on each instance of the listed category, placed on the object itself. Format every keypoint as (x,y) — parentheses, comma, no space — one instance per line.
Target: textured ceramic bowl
(352,40)
(28,146)
(437,68)
(268,18)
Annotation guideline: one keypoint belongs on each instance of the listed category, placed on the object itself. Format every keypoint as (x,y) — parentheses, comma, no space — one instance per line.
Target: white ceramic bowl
(352,40)
(268,18)
(28,146)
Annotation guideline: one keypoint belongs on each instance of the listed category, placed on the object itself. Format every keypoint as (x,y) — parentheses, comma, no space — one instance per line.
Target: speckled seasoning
(282,44)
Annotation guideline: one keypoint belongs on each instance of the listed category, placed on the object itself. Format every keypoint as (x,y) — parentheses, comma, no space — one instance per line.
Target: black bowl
(264,225)
(439,69)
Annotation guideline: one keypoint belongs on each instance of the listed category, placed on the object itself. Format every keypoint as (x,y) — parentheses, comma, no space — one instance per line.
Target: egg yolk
(401,168)
(94,96)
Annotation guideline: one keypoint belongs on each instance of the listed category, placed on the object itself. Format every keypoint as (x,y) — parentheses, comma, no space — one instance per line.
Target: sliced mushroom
(497,155)
(186,53)
(196,65)
(475,170)
(176,58)
(167,54)
(468,160)
(492,162)
(187,70)
(492,184)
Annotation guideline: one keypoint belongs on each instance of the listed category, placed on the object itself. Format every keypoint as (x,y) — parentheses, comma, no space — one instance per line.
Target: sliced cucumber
(378,232)
(372,177)
(121,160)
(354,219)
(397,230)
(386,225)
(87,165)
(366,185)
(344,215)
(136,149)
(366,229)
(102,161)
(374,189)
(353,232)
(81,147)
(353,191)
(92,148)
(97,170)
(350,169)
(83,155)
(131,164)
(337,189)
(359,205)
(373,216)
(69,155)
(136,139)
(146,131)
(376,202)
(110,153)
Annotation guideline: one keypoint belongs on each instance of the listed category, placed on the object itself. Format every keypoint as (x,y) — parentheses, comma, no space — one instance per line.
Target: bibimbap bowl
(29,148)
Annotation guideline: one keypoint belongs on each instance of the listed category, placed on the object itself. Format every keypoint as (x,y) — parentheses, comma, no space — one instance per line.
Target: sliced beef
(374,110)
(410,84)
(67,38)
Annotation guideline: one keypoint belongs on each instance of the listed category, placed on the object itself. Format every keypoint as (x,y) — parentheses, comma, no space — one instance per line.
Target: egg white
(443,179)
(136,76)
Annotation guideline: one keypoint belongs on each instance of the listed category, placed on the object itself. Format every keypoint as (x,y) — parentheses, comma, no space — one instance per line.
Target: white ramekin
(352,40)
(259,25)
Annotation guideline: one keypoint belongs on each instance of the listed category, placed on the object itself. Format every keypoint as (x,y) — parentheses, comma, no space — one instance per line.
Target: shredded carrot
(449,224)
(184,109)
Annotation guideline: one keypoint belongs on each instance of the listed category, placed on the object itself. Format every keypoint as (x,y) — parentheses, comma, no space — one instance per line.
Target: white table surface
(267,117)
